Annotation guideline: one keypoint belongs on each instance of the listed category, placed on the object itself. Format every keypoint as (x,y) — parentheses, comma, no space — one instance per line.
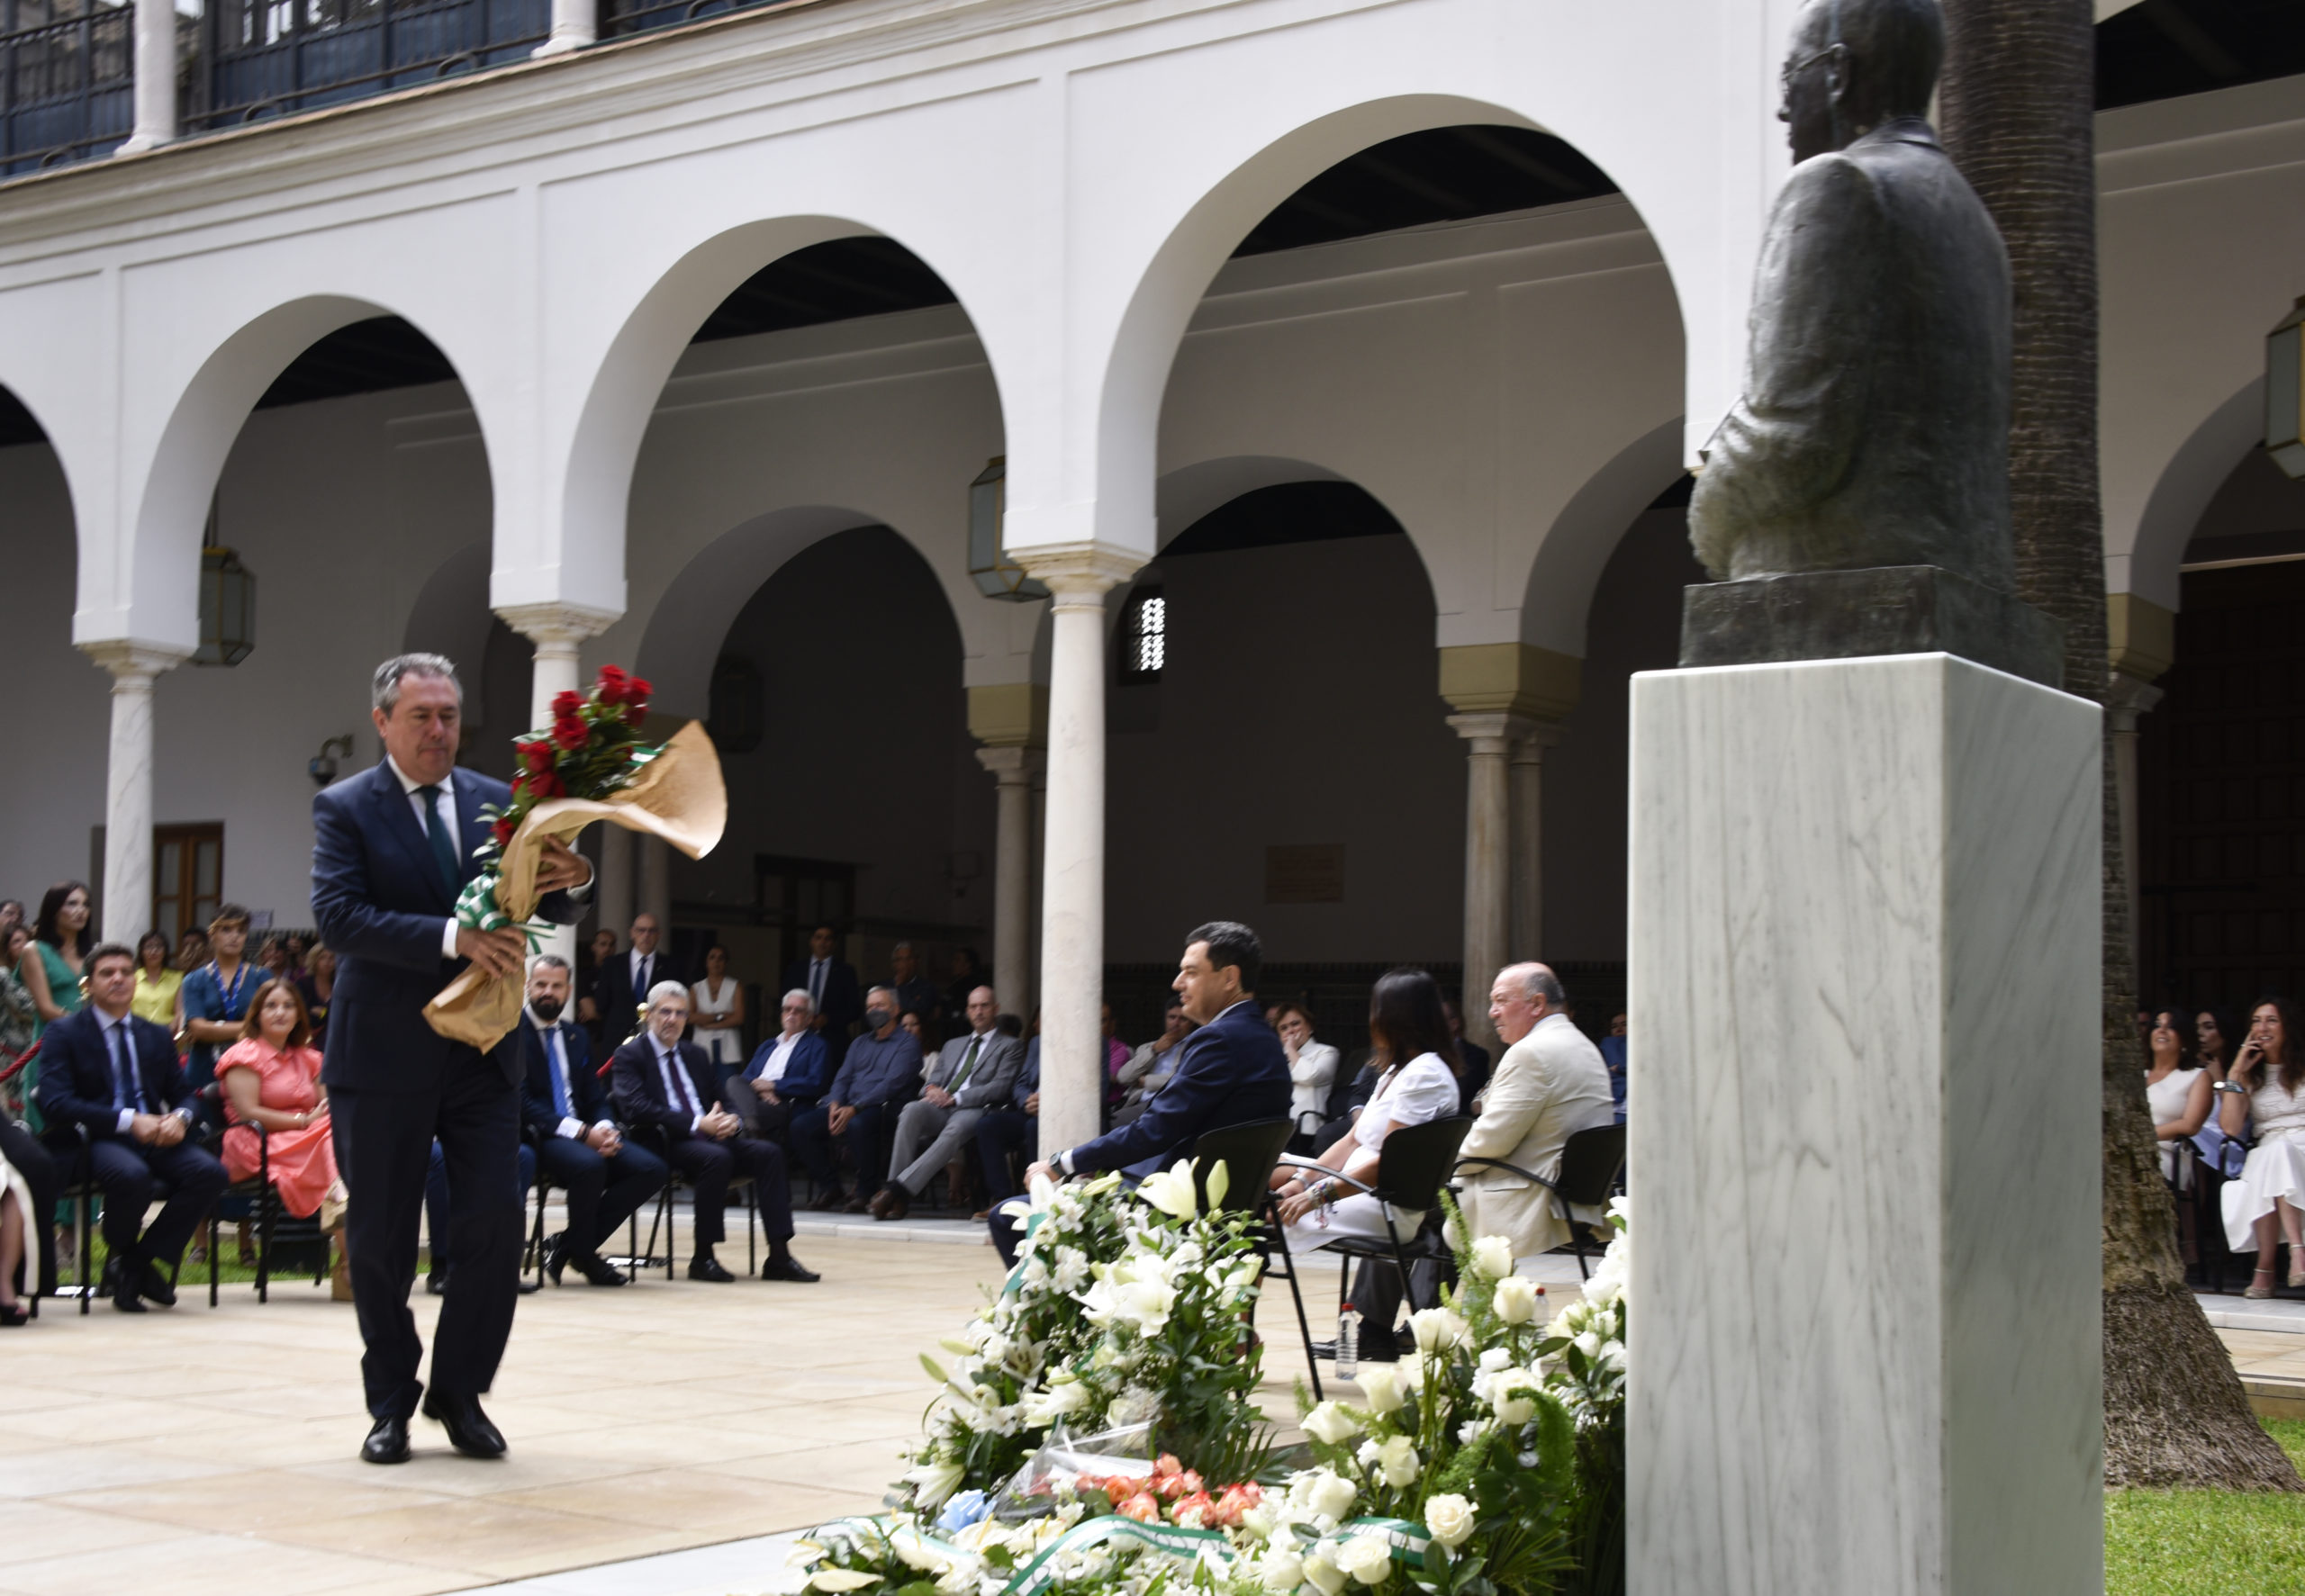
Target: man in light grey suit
(972,1074)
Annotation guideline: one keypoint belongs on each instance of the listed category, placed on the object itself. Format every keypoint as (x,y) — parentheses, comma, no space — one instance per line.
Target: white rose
(1321,1572)
(1329,1492)
(1281,1570)
(1380,1387)
(1367,1558)
(1452,1234)
(1437,1329)
(1516,1300)
(1330,1423)
(1514,1406)
(1399,1462)
(1450,1517)
(1493,1257)
(1367,1459)
(1588,1343)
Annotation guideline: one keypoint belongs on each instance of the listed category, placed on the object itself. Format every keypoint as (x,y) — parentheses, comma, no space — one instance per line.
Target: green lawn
(2209,1543)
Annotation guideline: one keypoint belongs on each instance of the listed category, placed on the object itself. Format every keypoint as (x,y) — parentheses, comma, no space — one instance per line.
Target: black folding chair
(1254,1149)
(1591,1161)
(1414,1162)
(657,1140)
(81,1189)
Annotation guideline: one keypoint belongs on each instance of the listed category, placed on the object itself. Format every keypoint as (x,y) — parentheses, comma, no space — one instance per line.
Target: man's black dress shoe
(125,1300)
(832,1202)
(708,1269)
(469,1430)
(527,1287)
(556,1255)
(437,1283)
(597,1269)
(152,1284)
(858,1205)
(387,1442)
(788,1268)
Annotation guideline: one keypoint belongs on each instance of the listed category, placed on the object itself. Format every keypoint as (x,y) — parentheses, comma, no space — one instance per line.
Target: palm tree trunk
(2018,114)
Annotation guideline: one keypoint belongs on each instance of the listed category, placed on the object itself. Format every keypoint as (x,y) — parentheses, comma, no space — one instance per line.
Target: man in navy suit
(622,983)
(1231,1071)
(392,848)
(118,1077)
(788,1073)
(666,1084)
(565,1107)
(831,985)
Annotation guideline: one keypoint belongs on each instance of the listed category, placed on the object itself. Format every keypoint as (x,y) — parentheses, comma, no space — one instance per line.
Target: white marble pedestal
(1864,999)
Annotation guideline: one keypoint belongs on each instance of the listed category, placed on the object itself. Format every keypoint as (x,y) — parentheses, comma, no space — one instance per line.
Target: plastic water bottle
(1348,1343)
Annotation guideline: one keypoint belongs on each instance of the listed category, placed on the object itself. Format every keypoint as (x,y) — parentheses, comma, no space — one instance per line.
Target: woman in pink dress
(271,1077)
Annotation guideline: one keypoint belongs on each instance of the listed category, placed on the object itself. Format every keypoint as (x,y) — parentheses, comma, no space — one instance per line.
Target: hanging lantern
(2285,392)
(996,576)
(227,608)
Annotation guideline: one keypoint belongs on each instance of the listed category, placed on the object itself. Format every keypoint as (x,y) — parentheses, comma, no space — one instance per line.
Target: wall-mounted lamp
(322,768)
(996,575)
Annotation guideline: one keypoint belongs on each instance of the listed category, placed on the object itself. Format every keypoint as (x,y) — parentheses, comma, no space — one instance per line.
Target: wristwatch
(2227,1085)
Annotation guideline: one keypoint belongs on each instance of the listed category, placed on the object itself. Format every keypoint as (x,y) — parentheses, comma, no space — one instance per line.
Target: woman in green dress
(51,966)
(18,1022)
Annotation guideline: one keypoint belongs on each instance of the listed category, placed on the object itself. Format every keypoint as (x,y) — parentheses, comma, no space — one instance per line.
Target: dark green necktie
(968,1064)
(444,849)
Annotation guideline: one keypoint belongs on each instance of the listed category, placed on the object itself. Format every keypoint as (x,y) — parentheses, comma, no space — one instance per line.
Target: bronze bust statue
(1872,432)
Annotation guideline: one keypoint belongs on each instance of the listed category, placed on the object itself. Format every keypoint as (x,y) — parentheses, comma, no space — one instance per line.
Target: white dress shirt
(445,803)
(557,1060)
(774,1070)
(121,1041)
(679,1090)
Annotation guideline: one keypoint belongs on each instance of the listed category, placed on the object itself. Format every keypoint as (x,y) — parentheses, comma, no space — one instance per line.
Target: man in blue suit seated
(565,1107)
(787,1075)
(1231,1071)
(116,1076)
(392,849)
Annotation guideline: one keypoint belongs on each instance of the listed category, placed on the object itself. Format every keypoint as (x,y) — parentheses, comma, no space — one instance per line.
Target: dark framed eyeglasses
(1793,70)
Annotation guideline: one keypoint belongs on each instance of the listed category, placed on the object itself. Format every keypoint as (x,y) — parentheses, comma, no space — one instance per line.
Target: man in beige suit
(1550,1085)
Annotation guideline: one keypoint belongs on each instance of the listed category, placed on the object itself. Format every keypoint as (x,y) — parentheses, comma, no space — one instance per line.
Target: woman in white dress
(2176,1090)
(1405,1021)
(1312,1069)
(717,1008)
(2267,1087)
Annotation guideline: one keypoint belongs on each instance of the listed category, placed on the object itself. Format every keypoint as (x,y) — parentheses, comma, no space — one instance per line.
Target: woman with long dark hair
(51,966)
(2266,1088)
(1417,1085)
(2177,1088)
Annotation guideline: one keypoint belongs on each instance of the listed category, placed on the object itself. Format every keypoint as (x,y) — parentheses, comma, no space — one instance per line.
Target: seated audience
(192,949)
(15,1203)
(591,959)
(156,984)
(880,1075)
(1229,1072)
(54,961)
(718,1005)
(19,1025)
(667,1085)
(216,996)
(1013,1128)
(565,1106)
(1151,1066)
(1472,1060)
(1312,1069)
(921,1030)
(1117,1054)
(26,1169)
(973,1073)
(624,982)
(1613,1057)
(789,1072)
(2266,1089)
(116,1078)
(1551,1084)
(317,987)
(2177,1090)
(830,982)
(272,1077)
(2213,1035)
(439,1231)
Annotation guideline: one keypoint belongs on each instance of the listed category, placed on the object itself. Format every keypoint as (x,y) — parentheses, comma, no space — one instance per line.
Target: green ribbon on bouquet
(477,908)
(1408,1540)
(1169,1539)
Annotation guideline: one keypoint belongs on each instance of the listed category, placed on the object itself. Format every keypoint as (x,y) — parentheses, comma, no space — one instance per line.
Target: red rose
(536,754)
(640,690)
(566,704)
(611,686)
(545,785)
(569,732)
(504,830)
(634,714)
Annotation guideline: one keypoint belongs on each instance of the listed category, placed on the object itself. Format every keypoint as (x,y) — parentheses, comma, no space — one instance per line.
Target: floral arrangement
(1490,1462)
(592,749)
(1122,1310)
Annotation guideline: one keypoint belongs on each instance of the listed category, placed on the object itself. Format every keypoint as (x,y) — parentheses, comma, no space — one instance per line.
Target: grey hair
(663,989)
(547,960)
(383,693)
(891,991)
(904,948)
(1538,981)
(802,993)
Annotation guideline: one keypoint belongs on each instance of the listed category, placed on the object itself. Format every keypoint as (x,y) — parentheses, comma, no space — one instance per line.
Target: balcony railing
(68,67)
(67,86)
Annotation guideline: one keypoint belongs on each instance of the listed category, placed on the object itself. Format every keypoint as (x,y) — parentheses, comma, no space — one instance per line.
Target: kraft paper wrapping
(678,796)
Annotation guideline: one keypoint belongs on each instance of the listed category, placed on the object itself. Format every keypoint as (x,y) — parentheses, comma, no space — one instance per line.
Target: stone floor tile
(33,1530)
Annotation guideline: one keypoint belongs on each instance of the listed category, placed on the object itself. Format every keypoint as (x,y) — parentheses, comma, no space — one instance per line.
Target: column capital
(2127,697)
(1491,732)
(1010,714)
(2140,637)
(1080,574)
(557,625)
(1515,678)
(1012,762)
(133,662)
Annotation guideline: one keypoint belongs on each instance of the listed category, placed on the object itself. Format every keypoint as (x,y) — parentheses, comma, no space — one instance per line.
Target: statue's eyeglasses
(1793,70)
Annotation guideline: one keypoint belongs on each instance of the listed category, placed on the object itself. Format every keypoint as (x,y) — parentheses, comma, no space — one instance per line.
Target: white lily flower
(1171,1191)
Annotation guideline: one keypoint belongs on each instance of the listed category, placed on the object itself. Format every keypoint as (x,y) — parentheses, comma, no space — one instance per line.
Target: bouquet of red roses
(591,764)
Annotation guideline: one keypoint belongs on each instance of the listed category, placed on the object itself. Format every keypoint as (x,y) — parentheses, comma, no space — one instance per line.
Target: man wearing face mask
(880,1075)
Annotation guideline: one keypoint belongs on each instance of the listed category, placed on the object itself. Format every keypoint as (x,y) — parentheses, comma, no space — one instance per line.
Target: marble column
(1488,739)
(128,784)
(558,631)
(156,77)
(1528,866)
(1866,1253)
(1072,903)
(1012,769)
(575,23)
(2126,698)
